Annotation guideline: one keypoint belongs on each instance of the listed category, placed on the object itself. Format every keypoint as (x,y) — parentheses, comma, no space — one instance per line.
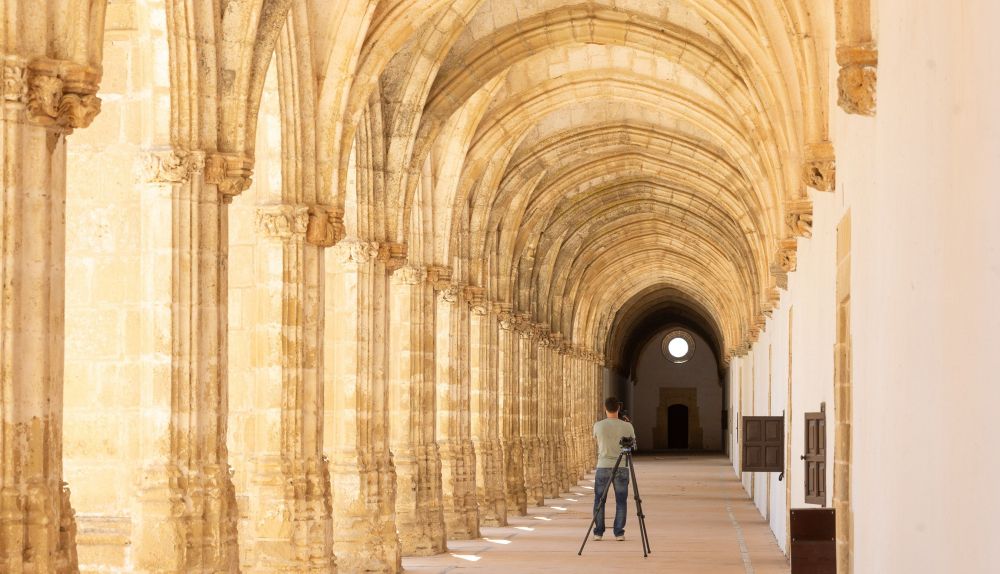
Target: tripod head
(627,443)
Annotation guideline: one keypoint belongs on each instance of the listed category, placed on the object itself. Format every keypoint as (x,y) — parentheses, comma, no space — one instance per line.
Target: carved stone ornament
(354,252)
(506,320)
(54,93)
(857,79)
(15,80)
(820,169)
(325,227)
(409,275)
(479,309)
(451,293)
(170,166)
(798,216)
(786,256)
(283,221)
(231,172)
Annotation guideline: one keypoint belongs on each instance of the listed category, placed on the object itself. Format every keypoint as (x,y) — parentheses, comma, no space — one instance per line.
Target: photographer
(608,433)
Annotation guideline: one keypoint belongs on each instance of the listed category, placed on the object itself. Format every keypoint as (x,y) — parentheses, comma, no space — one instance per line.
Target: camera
(627,443)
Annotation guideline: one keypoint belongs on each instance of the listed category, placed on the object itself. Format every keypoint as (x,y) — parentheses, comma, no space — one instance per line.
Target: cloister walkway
(698,516)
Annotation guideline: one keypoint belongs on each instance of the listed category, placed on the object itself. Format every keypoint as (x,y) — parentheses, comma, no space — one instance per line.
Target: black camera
(627,443)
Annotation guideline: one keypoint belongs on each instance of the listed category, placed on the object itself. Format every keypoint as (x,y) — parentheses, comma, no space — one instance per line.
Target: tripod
(627,455)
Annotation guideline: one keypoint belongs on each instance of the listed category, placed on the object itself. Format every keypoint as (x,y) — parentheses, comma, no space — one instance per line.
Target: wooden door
(815,458)
(763,444)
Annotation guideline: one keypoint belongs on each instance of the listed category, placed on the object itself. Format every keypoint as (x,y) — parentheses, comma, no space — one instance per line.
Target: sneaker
(598,537)
(620,538)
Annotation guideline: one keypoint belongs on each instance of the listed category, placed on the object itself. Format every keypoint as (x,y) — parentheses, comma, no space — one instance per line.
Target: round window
(678,346)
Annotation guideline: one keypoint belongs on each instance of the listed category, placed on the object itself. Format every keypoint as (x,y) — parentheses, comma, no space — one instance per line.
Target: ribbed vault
(594,164)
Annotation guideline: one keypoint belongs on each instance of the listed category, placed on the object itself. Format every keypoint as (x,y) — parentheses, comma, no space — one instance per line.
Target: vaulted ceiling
(587,164)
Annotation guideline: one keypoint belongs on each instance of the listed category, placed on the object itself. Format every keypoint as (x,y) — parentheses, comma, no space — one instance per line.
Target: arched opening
(677,426)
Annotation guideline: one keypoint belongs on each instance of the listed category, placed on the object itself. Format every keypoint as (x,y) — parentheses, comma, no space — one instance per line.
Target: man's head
(612,406)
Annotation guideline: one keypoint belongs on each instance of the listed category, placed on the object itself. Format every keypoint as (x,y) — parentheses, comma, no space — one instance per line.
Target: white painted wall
(926,315)
(920,182)
(654,371)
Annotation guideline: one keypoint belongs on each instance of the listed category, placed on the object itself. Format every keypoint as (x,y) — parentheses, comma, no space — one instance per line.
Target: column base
(514,493)
(461,515)
(419,513)
(364,532)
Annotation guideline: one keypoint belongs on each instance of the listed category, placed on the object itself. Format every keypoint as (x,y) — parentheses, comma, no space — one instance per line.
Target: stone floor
(698,517)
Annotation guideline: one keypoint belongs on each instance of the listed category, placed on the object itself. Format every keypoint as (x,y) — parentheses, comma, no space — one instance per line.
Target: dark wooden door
(677,426)
(815,458)
(763,444)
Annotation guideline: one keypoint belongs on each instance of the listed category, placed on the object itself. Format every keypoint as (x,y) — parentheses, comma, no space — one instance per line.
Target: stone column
(356,413)
(289,505)
(530,442)
(562,428)
(547,416)
(454,432)
(510,417)
(486,415)
(185,510)
(42,102)
(419,513)
(583,429)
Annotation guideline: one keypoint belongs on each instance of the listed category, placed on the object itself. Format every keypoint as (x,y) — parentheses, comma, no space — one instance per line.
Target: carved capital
(439,277)
(394,255)
(799,217)
(857,79)
(507,321)
(170,165)
(55,93)
(325,227)
(820,169)
(540,332)
(15,80)
(476,296)
(283,221)
(355,252)
(785,258)
(450,293)
(409,275)
(231,172)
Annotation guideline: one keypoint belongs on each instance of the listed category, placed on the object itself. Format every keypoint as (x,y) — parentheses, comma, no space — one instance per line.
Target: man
(608,433)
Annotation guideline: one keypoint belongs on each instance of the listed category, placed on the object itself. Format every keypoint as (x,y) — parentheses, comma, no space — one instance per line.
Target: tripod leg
(604,499)
(638,507)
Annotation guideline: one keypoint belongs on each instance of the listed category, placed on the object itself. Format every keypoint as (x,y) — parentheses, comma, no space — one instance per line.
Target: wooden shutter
(763,444)
(815,458)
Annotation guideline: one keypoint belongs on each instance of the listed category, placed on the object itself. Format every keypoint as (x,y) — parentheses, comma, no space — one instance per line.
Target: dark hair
(612,405)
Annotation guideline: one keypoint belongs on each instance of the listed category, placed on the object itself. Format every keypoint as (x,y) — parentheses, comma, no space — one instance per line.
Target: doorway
(677,426)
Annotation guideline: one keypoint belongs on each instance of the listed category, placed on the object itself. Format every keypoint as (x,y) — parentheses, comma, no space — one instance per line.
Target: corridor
(699,519)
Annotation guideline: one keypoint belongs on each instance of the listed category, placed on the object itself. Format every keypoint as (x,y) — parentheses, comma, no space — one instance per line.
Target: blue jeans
(621,499)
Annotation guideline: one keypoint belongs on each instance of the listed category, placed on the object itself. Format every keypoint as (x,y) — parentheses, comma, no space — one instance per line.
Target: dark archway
(677,426)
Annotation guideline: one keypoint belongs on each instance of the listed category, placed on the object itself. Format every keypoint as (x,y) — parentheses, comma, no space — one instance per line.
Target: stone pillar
(356,413)
(562,428)
(486,416)
(575,384)
(510,413)
(419,513)
(530,441)
(185,510)
(547,416)
(454,432)
(42,102)
(289,504)
(583,426)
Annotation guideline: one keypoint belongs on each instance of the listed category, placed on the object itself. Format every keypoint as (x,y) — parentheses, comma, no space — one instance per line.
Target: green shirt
(608,433)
